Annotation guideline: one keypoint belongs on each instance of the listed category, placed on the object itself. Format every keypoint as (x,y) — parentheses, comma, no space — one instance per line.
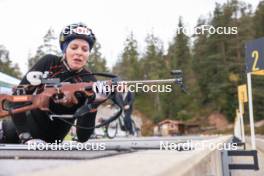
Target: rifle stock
(63,94)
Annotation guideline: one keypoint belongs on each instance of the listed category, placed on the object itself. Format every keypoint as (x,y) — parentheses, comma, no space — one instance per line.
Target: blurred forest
(213,65)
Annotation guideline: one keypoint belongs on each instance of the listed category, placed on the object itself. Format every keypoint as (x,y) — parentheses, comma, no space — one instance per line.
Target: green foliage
(213,66)
(152,64)
(129,60)
(221,57)
(258,96)
(181,106)
(48,47)
(6,65)
(96,62)
(259,20)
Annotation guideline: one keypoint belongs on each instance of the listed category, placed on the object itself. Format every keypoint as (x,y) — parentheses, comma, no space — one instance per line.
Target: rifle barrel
(160,81)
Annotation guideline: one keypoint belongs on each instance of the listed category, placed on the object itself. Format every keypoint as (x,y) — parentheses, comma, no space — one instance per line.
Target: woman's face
(77,54)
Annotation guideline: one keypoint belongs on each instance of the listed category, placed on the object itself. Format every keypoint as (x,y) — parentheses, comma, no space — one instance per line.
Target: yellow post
(242,98)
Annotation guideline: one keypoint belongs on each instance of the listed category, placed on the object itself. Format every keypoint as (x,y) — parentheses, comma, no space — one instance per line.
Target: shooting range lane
(92,150)
(143,154)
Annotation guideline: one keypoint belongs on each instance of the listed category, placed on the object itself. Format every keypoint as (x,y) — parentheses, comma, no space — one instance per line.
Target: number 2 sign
(255,55)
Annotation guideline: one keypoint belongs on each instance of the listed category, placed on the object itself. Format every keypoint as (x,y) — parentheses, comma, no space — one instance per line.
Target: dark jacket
(37,122)
(129,100)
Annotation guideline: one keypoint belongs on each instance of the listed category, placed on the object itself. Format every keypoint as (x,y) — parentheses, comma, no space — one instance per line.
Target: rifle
(65,93)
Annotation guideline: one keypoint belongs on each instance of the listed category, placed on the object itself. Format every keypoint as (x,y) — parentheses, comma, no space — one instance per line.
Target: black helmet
(77,31)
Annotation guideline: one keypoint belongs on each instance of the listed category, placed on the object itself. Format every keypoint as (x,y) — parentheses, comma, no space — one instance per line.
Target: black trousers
(48,130)
(9,134)
(128,121)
